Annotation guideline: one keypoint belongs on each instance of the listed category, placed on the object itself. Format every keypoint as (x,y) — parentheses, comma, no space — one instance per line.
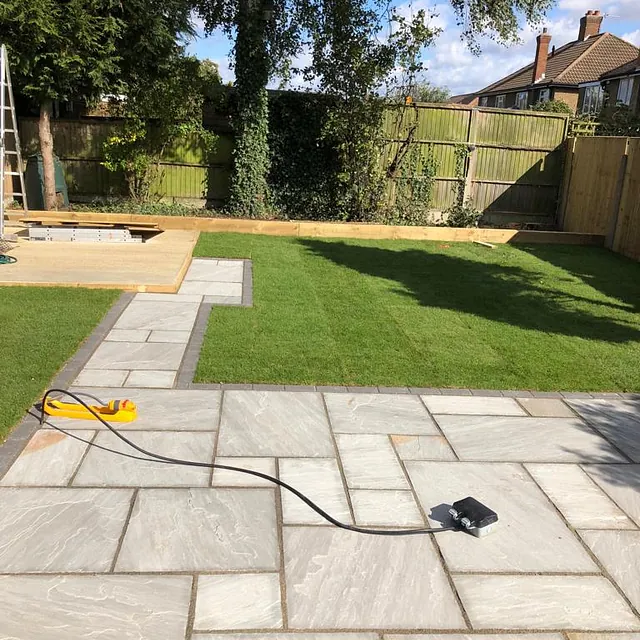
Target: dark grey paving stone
(455,392)
(486,393)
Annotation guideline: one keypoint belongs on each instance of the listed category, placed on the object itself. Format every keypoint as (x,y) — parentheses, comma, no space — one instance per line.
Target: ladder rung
(9,130)
(14,193)
(12,173)
(11,153)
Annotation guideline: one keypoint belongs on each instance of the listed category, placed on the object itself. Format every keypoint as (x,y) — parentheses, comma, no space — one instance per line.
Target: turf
(40,328)
(427,314)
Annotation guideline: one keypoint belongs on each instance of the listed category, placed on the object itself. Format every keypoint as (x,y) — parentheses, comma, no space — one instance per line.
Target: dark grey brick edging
(18,438)
(247,284)
(187,369)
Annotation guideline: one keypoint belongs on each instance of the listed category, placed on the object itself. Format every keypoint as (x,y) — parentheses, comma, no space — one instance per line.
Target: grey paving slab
(224,478)
(101,378)
(546,407)
(87,607)
(59,530)
(579,499)
(202,288)
(274,423)
(369,462)
(219,272)
(619,553)
(525,439)
(474,405)
(529,537)
(422,447)
(245,601)
(376,413)
(385,508)
(201,530)
(127,335)
(476,636)
(393,583)
(103,468)
(621,483)
(617,420)
(170,336)
(137,355)
(167,297)
(159,410)
(290,636)
(320,480)
(544,602)
(167,316)
(151,379)
(49,459)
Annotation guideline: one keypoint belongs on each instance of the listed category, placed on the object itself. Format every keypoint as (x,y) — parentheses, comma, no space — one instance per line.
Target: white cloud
(450,63)
(633,37)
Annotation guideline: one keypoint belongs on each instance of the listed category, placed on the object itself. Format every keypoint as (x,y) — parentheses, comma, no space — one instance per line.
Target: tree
(421,92)
(552,106)
(59,51)
(84,49)
(349,60)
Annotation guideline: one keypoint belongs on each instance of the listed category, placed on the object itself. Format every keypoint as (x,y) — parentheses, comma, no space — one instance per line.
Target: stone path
(93,545)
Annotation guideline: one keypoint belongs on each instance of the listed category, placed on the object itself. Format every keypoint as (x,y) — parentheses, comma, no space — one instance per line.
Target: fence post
(566,182)
(472,158)
(612,241)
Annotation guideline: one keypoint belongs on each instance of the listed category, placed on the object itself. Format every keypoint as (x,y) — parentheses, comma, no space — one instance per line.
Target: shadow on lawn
(609,273)
(501,293)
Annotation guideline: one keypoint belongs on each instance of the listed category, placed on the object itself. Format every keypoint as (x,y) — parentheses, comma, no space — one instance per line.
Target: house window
(593,96)
(500,100)
(625,89)
(521,99)
(483,101)
(545,95)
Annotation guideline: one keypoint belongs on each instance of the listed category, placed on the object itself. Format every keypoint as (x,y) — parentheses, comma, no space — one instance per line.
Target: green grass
(400,313)
(40,328)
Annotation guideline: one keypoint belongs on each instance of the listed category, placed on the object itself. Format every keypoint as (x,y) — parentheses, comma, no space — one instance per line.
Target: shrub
(461,214)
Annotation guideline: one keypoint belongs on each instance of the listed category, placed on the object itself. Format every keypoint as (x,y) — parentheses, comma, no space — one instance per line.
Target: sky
(450,64)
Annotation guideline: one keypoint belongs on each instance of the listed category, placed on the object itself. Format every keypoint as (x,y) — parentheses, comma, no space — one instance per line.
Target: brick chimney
(542,52)
(590,25)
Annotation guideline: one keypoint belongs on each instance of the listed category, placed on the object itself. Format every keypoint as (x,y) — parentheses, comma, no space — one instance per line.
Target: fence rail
(511,161)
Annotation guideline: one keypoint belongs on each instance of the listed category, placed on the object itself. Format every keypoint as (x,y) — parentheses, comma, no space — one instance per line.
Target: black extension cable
(156,457)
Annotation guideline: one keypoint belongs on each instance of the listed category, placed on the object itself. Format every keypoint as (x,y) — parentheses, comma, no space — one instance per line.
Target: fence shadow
(599,268)
(507,294)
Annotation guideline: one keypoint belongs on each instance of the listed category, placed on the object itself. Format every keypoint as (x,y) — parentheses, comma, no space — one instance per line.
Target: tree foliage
(552,106)
(156,114)
(618,121)
(352,46)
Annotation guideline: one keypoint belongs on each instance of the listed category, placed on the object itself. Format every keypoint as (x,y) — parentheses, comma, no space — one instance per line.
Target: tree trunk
(46,148)
(251,152)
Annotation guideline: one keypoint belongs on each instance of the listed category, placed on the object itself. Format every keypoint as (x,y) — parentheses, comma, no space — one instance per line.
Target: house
(622,86)
(570,73)
(470,99)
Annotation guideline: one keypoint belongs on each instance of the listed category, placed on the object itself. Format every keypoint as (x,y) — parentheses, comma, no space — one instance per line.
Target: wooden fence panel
(514,168)
(626,238)
(592,196)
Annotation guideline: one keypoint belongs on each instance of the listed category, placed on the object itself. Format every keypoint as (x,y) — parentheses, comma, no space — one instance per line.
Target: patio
(93,544)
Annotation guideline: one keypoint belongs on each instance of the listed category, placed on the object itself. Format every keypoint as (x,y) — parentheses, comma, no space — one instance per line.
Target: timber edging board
(323,229)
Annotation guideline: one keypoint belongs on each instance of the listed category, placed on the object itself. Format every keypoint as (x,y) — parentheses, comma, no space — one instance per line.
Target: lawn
(401,313)
(40,329)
